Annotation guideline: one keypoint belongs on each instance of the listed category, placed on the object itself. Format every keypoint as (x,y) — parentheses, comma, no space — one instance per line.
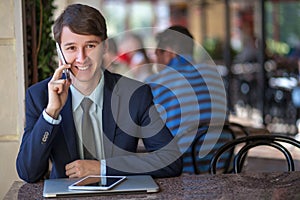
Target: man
(190,96)
(121,111)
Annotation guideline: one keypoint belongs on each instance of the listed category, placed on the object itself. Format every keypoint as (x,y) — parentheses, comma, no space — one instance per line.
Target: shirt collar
(96,96)
(181,60)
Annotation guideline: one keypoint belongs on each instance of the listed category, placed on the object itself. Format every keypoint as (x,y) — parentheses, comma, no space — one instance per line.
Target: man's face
(84,53)
(163,56)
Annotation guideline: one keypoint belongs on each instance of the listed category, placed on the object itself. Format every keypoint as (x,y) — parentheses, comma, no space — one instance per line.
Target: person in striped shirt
(189,96)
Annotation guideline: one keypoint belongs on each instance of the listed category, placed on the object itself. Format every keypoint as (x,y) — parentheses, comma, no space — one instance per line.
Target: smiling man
(120,112)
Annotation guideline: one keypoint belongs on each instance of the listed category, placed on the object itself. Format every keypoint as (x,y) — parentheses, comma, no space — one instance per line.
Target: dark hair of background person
(178,38)
(81,19)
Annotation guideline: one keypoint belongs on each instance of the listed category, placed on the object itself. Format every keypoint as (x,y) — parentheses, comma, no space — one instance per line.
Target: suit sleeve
(34,153)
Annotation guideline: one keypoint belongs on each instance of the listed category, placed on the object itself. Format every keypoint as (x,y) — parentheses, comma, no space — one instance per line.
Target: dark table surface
(279,185)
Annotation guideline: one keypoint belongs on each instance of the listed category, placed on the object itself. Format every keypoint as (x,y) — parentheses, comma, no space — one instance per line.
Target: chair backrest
(249,142)
(238,129)
(206,144)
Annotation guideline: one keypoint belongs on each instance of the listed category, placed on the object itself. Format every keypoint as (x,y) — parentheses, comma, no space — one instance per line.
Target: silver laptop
(140,183)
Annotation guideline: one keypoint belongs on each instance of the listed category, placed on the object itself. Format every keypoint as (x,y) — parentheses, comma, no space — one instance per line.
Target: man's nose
(81,55)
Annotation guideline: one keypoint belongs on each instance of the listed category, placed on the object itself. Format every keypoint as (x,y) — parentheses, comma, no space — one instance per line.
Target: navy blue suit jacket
(126,118)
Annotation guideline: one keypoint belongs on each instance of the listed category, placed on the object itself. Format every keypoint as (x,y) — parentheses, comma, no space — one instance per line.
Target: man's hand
(82,168)
(58,92)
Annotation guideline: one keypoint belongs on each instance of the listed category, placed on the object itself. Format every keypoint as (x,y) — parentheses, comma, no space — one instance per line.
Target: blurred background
(255,45)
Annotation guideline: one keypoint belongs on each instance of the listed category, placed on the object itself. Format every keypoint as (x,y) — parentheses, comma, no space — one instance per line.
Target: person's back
(190,95)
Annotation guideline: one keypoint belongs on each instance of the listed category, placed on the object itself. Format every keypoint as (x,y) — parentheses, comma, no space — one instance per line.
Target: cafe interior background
(255,45)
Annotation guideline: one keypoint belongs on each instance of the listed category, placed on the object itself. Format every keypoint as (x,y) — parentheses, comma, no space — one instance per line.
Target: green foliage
(47,52)
(278,48)
(284,33)
(213,46)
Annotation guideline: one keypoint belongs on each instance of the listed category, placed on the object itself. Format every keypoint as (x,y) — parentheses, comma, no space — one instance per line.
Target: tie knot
(86,104)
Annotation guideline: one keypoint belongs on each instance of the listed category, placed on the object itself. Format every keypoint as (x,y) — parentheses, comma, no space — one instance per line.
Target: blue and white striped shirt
(189,95)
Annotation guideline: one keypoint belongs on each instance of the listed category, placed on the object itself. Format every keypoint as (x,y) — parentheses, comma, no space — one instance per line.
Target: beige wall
(12,90)
(216,21)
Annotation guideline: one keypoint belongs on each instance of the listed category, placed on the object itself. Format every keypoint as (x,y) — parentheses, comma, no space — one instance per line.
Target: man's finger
(57,85)
(58,72)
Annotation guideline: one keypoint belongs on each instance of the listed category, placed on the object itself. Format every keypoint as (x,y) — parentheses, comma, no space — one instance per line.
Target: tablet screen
(97,182)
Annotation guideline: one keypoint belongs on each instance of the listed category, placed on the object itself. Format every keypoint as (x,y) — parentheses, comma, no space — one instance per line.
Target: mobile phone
(63,60)
(94,182)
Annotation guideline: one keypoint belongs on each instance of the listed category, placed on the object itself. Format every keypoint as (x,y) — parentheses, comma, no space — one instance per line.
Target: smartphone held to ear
(63,60)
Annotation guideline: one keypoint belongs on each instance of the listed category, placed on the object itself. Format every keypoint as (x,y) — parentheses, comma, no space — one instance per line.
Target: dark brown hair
(81,19)
(178,38)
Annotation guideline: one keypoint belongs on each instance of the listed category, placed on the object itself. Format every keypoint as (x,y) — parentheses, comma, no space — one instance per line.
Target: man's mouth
(83,68)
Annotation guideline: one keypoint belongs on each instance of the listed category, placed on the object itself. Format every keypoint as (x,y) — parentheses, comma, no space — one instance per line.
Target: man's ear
(170,53)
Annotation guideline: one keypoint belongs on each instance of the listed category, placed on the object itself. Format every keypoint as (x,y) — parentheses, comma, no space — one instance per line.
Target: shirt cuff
(50,119)
(103,167)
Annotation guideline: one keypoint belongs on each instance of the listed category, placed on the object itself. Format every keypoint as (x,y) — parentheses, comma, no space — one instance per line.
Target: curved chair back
(208,143)
(253,141)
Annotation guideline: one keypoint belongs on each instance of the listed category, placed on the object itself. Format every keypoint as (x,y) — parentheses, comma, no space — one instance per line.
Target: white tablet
(94,182)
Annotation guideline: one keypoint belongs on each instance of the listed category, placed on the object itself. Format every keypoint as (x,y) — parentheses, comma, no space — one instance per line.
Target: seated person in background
(132,50)
(120,113)
(189,96)
(112,62)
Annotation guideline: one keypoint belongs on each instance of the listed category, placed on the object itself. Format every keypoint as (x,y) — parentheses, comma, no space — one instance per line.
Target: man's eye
(91,46)
(70,48)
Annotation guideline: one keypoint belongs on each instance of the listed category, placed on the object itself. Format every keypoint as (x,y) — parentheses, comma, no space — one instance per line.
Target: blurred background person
(132,52)
(189,96)
(112,62)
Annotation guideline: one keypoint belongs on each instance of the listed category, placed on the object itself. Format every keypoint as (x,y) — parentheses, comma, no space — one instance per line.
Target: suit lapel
(69,129)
